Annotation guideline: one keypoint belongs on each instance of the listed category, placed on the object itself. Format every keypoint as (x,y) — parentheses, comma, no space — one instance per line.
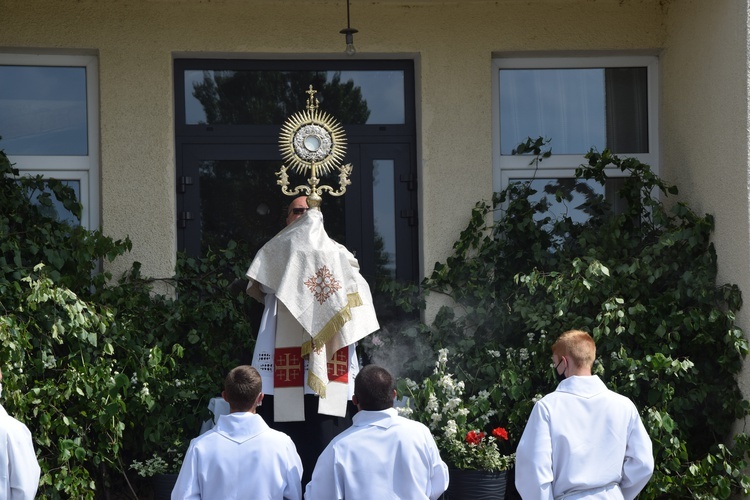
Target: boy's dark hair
(241,387)
(374,387)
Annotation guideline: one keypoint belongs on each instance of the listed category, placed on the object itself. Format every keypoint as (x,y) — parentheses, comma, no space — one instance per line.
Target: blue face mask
(560,376)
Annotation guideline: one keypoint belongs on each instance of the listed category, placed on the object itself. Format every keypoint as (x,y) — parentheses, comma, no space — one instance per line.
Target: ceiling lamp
(349,32)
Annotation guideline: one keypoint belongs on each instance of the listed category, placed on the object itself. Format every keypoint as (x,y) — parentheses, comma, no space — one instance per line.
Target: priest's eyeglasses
(299,210)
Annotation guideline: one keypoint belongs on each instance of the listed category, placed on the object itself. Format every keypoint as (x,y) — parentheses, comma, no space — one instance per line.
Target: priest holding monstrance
(317,305)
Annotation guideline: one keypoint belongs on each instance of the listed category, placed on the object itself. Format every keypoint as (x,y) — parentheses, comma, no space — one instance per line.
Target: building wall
(703,48)
(453,43)
(704,133)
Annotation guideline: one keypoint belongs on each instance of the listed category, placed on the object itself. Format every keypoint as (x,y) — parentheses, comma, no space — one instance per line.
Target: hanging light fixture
(349,32)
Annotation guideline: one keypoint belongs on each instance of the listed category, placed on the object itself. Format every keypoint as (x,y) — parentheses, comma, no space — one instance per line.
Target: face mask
(560,376)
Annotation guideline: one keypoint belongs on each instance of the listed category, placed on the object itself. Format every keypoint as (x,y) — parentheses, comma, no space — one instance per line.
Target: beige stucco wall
(703,46)
(705,127)
(453,42)
(704,74)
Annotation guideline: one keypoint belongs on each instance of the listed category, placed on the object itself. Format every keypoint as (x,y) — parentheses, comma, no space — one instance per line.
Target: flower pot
(476,485)
(163,485)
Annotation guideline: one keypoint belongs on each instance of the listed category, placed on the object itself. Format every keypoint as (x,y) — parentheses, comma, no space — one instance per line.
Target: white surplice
(241,457)
(313,284)
(19,469)
(266,342)
(382,456)
(583,441)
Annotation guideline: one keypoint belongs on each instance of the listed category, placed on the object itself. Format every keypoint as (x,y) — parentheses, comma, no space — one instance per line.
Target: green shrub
(641,280)
(105,372)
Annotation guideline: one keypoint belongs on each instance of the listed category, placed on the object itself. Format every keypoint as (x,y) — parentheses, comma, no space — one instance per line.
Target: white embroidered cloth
(318,281)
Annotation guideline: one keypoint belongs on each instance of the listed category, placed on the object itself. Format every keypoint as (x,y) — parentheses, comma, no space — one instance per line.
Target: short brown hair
(577,345)
(241,387)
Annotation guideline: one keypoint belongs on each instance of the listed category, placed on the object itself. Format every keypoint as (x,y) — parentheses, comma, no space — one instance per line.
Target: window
(49,122)
(577,104)
(210,95)
(78,181)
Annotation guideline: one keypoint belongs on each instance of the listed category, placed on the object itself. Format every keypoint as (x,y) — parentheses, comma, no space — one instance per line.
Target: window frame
(83,168)
(506,168)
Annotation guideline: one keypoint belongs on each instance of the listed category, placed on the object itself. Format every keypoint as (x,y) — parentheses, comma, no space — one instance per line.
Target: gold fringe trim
(333,326)
(316,384)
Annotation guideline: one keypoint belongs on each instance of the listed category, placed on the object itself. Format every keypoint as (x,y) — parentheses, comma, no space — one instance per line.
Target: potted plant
(466,429)
(163,471)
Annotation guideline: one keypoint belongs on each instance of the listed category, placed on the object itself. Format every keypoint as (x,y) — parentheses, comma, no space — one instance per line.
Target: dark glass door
(229,193)
(228,116)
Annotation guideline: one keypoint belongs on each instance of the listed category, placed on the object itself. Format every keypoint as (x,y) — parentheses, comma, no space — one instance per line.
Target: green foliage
(197,337)
(106,373)
(165,463)
(466,430)
(641,279)
(30,235)
(60,380)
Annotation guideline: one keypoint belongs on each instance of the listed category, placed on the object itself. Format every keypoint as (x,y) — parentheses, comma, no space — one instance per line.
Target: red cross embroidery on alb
(338,367)
(288,370)
(322,284)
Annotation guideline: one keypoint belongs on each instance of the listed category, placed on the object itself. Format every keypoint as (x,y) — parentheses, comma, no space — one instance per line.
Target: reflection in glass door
(228,195)
(228,114)
(384,217)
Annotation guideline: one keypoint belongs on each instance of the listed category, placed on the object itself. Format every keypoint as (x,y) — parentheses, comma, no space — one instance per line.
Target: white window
(49,122)
(577,103)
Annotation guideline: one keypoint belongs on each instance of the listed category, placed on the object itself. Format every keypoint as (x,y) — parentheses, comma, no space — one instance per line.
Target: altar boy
(241,456)
(582,440)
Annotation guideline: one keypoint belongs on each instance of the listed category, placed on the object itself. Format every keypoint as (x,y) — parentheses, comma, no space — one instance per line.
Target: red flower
(500,433)
(474,437)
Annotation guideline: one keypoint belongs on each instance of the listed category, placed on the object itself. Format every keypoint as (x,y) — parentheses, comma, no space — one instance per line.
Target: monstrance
(313,143)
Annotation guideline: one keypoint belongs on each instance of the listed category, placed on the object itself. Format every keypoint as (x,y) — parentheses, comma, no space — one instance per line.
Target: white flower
(435,419)
(463,411)
(446,382)
(530,336)
(405,411)
(411,385)
(451,429)
(452,404)
(442,356)
(432,404)
(523,354)
(494,354)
